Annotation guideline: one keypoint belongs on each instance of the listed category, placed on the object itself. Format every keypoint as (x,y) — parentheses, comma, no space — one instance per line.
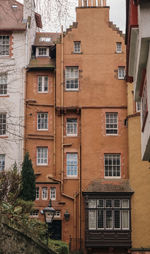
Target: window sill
(112,177)
(111,134)
(41,165)
(42,130)
(71,90)
(72,136)
(71,178)
(43,92)
(4,96)
(77,53)
(3,136)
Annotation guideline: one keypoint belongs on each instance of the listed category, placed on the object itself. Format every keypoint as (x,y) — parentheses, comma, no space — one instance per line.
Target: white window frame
(53,193)
(111,166)
(42,151)
(34,213)
(3,124)
(43,84)
(111,123)
(72,78)
(42,51)
(121,72)
(72,164)
(42,121)
(77,47)
(37,193)
(44,193)
(2,162)
(4,45)
(72,127)
(118,47)
(57,214)
(3,84)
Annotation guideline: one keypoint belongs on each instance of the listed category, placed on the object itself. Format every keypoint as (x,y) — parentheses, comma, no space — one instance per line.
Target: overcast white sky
(117,14)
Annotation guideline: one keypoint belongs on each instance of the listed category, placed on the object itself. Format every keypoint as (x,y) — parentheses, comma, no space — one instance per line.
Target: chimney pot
(80,3)
(85,3)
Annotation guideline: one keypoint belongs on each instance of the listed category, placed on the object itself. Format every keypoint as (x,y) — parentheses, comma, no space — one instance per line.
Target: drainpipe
(62,104)
(80,189)
(54,157)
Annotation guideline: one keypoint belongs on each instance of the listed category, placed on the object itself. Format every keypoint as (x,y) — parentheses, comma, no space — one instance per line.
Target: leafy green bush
(58,246)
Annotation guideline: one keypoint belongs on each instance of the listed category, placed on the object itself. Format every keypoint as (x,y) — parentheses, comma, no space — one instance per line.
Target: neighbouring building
(18,24)
(139,177)
(76,133)
(40,131)
(138,63)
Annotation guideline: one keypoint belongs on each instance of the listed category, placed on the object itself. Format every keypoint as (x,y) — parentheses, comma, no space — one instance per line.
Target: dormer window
(45,39)
(42,51)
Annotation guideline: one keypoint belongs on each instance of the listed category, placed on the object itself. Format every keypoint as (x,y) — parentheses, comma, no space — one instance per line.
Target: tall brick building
(76,133)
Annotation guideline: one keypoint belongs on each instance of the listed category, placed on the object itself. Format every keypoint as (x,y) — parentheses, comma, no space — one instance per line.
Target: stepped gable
(74,25)
(115,28)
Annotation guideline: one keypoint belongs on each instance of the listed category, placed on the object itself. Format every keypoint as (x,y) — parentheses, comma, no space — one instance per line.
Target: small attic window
(45,39)
(14,6)
(42,51)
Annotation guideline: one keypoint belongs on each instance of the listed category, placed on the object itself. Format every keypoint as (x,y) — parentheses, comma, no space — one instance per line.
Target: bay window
(108,214)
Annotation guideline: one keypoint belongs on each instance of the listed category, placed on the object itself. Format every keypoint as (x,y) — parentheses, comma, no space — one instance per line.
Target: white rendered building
(138,63)
(18,25)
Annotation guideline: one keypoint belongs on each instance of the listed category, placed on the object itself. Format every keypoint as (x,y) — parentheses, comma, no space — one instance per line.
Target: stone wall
(13,241)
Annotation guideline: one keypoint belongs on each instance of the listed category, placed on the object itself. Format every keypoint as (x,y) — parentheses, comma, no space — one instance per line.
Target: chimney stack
(91,3)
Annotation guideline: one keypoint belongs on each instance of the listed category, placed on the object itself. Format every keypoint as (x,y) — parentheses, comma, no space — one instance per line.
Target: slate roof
(42,62)
(11,16)
(110,186)
(53,37)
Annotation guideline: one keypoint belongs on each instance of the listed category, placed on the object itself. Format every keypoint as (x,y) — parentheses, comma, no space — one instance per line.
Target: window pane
(92,219)
(37,192)
(118,47)
(117,219)
(42,121)
(44,193)
(108,219)
(2,162)
(112,165)
(125,219)
(92,203)
(71,127)
(111,123)
(4,45)
(77,46)
(125,203)
(116,203)
(100,219)
(3,124)
(43,84)
(100,203)
(108,203)
(71,78)
(72,164)
(42,156)
(53,193)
